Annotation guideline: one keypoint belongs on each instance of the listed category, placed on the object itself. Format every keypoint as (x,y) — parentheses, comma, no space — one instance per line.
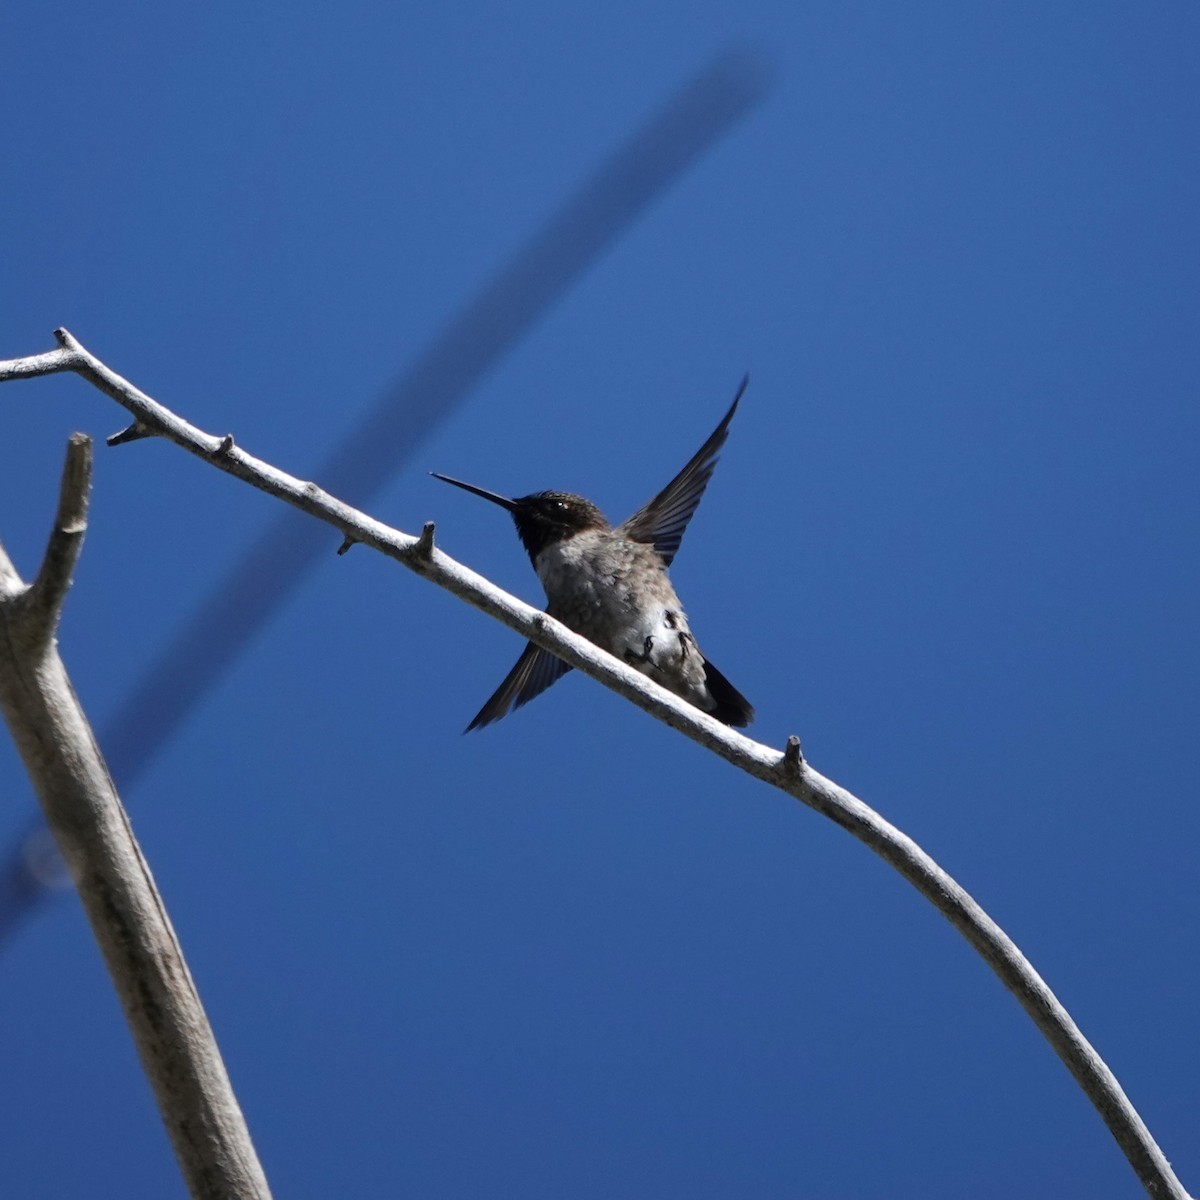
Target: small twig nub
(133,433)
(347,544)
(793,759)
(423,547)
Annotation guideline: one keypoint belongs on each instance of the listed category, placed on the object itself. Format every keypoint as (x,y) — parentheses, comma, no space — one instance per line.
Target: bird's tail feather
(731,706)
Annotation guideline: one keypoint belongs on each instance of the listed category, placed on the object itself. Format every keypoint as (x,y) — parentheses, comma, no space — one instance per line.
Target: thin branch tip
(350,541)
(48,592)
(76,484)
(50,362)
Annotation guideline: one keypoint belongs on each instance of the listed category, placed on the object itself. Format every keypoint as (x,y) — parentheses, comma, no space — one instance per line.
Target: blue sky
(951,543)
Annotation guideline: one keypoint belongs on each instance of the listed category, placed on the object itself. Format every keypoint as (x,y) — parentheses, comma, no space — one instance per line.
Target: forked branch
(51,732)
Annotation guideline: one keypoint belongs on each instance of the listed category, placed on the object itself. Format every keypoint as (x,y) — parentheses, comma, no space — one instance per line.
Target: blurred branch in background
(129,921)
(787,771)
(258,584)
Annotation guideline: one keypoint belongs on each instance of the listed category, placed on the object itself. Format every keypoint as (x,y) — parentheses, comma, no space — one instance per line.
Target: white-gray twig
(174,1041)
(787,771)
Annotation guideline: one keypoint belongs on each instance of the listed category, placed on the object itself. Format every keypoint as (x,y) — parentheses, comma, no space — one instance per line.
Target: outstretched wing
(663,520)
(534,672)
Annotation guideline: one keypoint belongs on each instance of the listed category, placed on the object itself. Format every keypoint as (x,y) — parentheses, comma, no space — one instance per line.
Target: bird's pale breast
(616,593)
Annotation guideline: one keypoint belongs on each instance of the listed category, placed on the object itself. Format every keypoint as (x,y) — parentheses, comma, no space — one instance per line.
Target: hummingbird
(610,584)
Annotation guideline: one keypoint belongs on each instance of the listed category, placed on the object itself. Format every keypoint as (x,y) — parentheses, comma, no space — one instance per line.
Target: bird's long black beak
(503,501)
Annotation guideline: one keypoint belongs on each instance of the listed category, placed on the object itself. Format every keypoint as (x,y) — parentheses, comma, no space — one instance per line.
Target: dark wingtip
(723,428)
(485,717)
(732,708)
(737,399)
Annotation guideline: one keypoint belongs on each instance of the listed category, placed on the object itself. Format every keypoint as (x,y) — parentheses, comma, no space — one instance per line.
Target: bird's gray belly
(617,595)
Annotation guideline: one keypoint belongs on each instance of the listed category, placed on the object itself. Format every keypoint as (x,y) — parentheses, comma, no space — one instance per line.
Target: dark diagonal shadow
(257,585)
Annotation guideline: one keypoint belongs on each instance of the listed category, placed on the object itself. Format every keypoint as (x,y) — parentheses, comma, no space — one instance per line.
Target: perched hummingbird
(611,586)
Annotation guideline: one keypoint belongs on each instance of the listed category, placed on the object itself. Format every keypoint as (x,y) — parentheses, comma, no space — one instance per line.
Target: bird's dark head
(548,517)
(542,518)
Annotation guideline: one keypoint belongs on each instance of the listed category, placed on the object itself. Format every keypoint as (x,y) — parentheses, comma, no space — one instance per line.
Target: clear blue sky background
(952,543)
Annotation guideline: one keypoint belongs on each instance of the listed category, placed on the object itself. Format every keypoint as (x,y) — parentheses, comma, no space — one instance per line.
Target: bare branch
(50,363)
(787,771)
(52,734)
